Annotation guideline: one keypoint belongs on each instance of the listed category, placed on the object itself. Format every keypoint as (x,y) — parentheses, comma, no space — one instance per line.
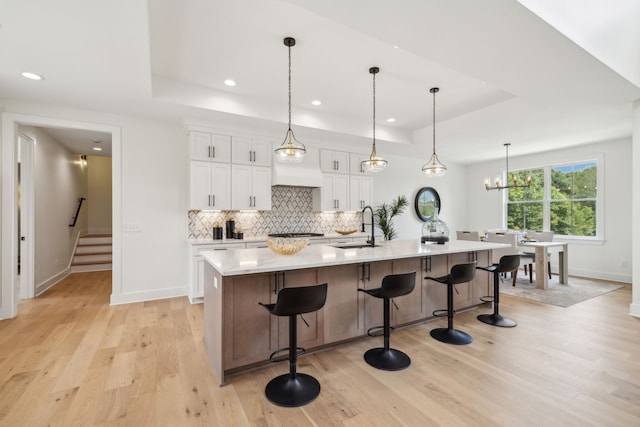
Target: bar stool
(393,285)
(460,273)
(508,263)
(294,389)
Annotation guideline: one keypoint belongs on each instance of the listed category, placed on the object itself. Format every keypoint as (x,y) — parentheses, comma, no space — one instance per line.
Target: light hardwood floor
(69,359)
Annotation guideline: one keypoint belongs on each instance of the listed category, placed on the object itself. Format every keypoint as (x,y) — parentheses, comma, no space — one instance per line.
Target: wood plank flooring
(69,359)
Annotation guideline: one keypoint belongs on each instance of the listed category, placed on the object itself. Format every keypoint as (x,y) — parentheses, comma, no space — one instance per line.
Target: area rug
(574,292)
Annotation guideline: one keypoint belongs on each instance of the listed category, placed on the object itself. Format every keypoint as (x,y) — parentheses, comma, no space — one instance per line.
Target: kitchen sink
(354,246)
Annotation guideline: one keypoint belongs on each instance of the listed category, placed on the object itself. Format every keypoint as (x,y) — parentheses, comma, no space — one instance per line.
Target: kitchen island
(240,334)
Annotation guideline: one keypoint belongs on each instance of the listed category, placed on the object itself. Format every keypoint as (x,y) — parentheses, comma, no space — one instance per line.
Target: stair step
(92,258)
(93,249)
(90,267)
(73,264)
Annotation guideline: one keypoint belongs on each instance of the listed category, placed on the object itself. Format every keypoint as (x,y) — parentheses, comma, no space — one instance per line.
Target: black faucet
(371,242)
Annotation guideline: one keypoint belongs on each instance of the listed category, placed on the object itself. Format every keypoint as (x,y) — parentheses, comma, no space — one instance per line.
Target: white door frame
(27,217)
(9,223)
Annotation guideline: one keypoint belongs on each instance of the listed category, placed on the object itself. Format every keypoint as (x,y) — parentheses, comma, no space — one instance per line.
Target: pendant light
(500,185)
(291,150)
(434,167)
(374,163)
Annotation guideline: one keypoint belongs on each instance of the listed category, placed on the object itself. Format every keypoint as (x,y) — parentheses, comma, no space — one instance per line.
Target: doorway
(11,249)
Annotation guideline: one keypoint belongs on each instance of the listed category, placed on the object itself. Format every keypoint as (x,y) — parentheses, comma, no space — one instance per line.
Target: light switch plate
(132,228)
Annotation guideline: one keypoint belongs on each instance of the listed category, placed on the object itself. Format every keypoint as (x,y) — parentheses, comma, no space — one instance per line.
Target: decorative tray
(345,232)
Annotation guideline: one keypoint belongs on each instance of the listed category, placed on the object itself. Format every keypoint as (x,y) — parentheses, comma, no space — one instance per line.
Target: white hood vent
(304,174)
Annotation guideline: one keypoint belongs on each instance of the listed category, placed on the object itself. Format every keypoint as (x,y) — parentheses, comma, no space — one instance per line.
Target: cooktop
(296,235)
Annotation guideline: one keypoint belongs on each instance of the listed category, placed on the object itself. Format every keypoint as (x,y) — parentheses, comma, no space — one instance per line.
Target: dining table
(542,251)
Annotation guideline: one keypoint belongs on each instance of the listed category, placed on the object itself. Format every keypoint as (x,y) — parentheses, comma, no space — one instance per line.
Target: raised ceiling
(505,74)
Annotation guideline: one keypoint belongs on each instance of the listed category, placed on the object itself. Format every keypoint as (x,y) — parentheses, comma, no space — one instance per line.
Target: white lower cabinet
(196,267)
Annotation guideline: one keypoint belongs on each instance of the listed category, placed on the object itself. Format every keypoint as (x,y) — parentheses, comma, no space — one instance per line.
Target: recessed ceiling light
(395,46)
(32,76)
(230,82)
(97,149)
(391,120)
(316,102)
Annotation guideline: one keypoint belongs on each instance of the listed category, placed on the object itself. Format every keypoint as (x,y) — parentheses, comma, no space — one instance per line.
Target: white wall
(99,204)
(59,182)
(603,260)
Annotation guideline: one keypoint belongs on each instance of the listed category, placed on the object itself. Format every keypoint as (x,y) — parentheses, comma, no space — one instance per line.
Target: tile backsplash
(291,212)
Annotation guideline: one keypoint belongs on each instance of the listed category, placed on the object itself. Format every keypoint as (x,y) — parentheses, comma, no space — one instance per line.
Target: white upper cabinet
(333,195)
(355,160)
(210,147)
(251,187)
(250,151)
(210,185)
(360,191)
(334,161)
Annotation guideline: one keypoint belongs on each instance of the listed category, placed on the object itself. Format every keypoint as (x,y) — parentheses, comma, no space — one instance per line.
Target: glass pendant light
(374,163)
(434,167)
(291,150)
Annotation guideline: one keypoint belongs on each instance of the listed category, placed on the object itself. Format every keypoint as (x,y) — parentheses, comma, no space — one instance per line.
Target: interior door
(25,218)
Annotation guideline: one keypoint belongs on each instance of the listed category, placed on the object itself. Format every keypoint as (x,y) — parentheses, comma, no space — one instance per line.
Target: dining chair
(468,235)
(526,259)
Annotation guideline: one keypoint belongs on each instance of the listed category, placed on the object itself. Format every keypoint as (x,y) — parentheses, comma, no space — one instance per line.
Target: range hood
(304,174)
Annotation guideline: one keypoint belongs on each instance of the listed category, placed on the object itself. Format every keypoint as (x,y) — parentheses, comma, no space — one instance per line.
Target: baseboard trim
(602,275)
(42,287)
(634,310)
(132,297)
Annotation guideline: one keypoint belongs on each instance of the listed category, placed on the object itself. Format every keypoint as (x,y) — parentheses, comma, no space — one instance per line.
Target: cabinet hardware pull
(213,151)
(427,264)
(213,197)
(209,202)
(275,282)
(209,151)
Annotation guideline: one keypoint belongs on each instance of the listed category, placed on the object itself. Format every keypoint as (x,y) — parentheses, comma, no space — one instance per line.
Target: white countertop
(235,262)
(195,242)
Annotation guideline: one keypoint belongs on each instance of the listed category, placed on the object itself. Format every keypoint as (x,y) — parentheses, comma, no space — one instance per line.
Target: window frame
(598,159)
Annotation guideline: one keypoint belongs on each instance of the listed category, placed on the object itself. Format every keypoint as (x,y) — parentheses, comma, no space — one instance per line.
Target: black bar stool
(508,263)
(294,389)
(460,273)
(386,358)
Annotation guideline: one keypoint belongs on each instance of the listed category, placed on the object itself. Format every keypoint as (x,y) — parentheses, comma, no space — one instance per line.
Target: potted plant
(385,213)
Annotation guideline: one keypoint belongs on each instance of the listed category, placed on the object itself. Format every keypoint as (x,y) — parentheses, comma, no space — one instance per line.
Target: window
(525,206)
(573,199)
(561,198)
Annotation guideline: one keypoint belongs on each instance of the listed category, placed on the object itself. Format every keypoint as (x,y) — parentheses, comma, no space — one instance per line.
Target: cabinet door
(200,145)
(261,152)
(334,161)
(313,335)
(220,186)
(464,297)
(360,191)
(436,293)
(241,187)
(411,307)
(251,332)
(261,188)
(200,185)
(344,310)
(355,166)
(341,191)
(241,151)
(371,278)
(221,148)
(483,282)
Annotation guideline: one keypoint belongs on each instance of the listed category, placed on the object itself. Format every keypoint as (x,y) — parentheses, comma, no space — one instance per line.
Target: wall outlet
(132,228)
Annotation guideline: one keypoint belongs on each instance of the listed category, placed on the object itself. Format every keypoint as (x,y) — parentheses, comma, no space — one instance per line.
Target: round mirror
(426,201)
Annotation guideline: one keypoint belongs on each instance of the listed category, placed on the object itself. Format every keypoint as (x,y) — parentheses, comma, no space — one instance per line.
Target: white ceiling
(505,75)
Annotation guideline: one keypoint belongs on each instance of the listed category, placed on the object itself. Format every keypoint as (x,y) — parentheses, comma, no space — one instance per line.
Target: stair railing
(75,217)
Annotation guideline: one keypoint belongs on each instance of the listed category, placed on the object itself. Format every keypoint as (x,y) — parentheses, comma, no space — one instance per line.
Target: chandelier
(434,167)
(499,185)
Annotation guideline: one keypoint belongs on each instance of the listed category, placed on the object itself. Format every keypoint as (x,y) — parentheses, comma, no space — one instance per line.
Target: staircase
(93,253)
